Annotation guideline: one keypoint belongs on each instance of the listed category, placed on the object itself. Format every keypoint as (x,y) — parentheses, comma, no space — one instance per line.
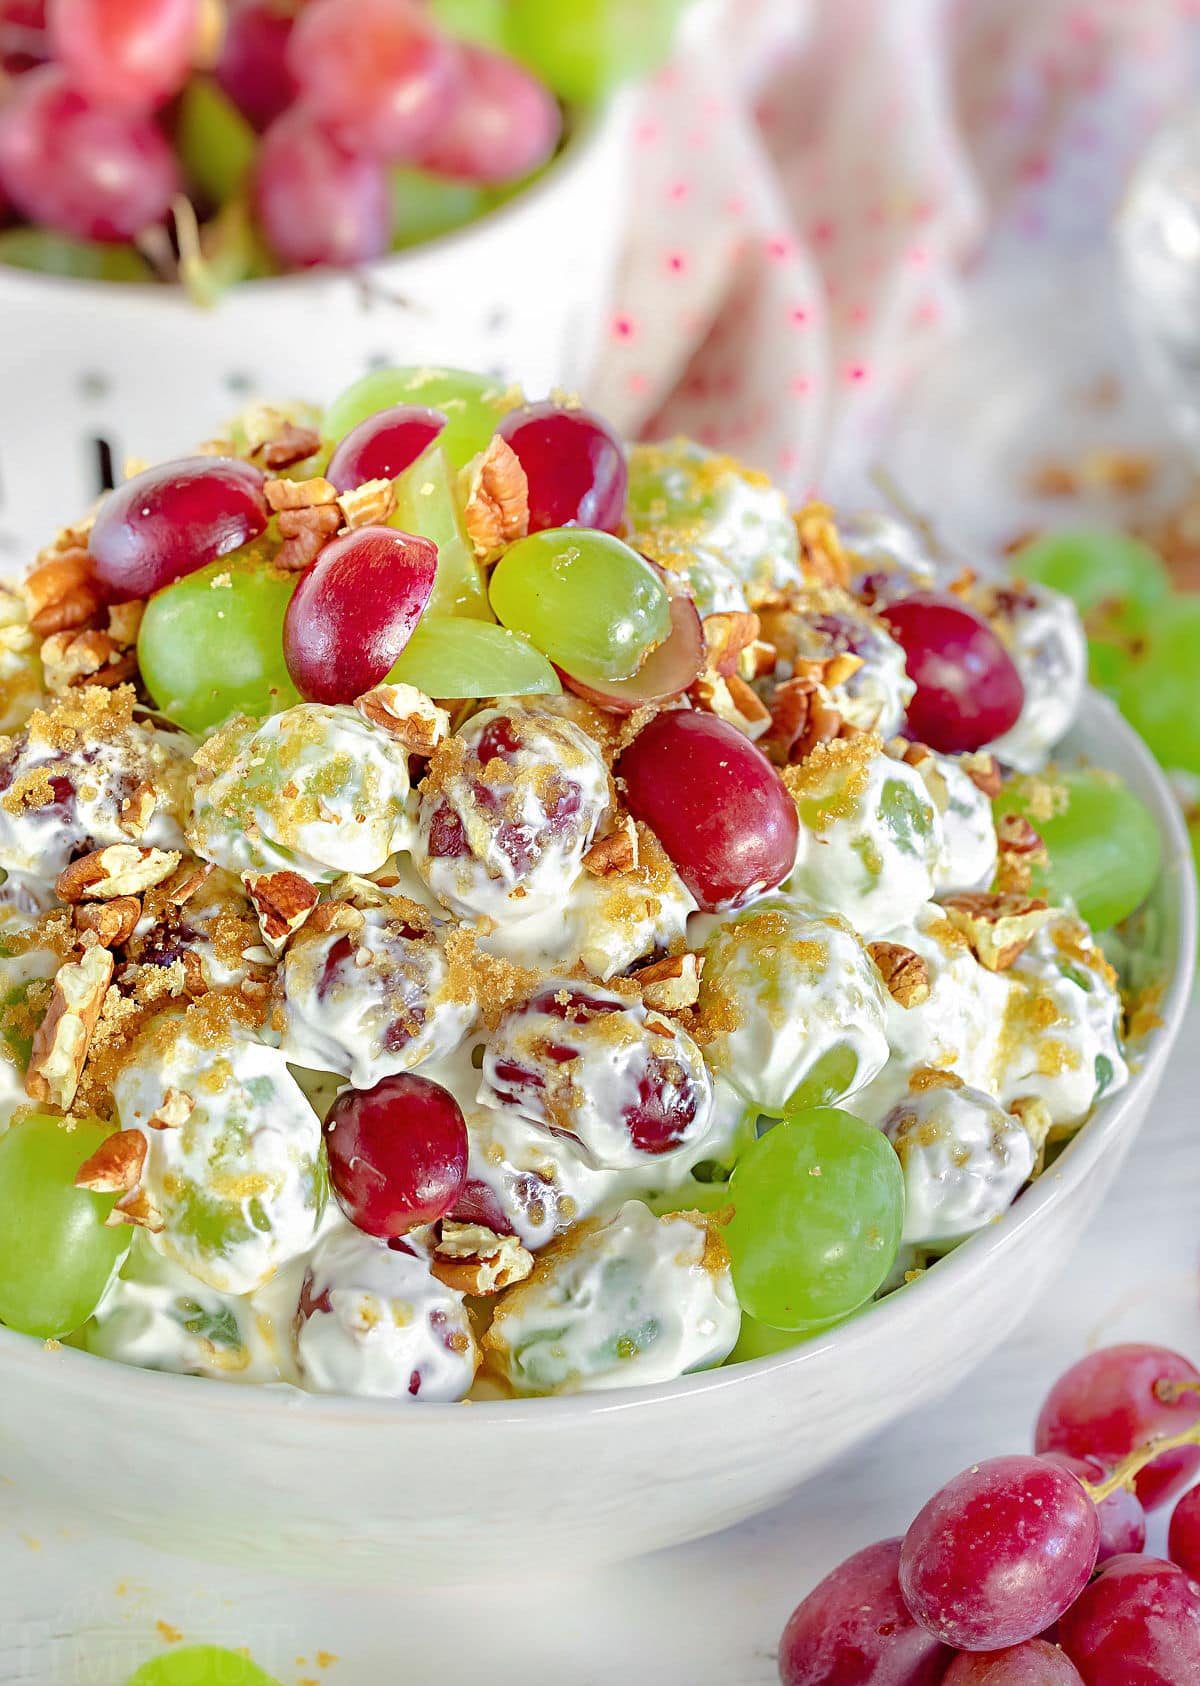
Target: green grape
(692,1197)
(480,21)
(1103,845)
(583,48)
(216,144)
(1157,692)
(818,1208)
(48,253)
(425,206)
(1114,581)
(56,1256)
(1095,568)
(201,1665)
(211,645)
(427,504)
(472,404)
(458,657)
(591,603)
(759,1340)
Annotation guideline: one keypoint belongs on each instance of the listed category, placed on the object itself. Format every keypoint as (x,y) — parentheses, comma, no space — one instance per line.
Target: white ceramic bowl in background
(91,373)
(358,1489)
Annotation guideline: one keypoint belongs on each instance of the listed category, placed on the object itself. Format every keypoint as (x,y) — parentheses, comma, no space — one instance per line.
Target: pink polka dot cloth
(813,184)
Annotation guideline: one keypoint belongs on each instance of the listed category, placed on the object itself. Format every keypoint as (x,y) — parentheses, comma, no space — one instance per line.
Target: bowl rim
(588,129)
(113,1385)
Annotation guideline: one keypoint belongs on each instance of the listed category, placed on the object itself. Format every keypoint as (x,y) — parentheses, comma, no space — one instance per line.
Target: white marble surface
(81,1609)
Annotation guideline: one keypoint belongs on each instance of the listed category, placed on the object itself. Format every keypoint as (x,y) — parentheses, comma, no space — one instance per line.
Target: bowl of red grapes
(217,143)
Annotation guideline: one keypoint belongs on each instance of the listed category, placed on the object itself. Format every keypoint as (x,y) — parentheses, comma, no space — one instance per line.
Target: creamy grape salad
(491,911)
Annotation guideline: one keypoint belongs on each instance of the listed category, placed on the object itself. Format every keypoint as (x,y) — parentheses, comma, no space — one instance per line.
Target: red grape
(574,463)
(384,445)
(503,124)
(544,1055)
(716,804)
(23,40)
(1033,1664)
(172,519)
(968,688)
(1138,1624)
(1122,1518)
(1183,1539)
(397,1154)
(81,168)
(1116,1399)
(316,202)
(666,672)
(354,611)
(377,73)
(999,1553)
(128,54)
(253,68)
(855,1630)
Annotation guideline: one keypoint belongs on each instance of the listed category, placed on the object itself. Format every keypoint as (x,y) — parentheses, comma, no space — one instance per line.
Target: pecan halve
(120,869)
(616,851)
(282,901)
(116,1165)
(998,924)
(904,973)
(60,1043)
(496,508)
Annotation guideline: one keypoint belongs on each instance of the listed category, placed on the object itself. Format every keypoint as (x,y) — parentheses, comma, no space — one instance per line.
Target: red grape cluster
(328,97)
(1030,1570)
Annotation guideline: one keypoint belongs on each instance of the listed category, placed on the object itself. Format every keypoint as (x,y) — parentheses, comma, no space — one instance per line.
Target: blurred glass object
(1158,249)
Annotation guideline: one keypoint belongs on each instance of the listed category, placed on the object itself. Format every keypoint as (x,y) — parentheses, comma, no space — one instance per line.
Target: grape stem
(1134,1462)
(904,507)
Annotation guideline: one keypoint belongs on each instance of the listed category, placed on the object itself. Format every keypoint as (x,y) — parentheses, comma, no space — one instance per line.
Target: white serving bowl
(91,373)
(362,1490)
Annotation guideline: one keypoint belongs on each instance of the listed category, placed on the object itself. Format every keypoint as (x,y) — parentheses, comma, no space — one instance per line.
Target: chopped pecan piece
(335,916)
(290,445)
(983,770)
(733,701)
(62,593)
(300,494)
(407,715)
(283,901)
(305,533)
(1020,849)
(790,703)
(60,1043)
(116,1165)
(137,810)
(111,923)
(90,657)
(367,505)
(822,558)
(497,499)
(186,882)
(726,636)
(758,660)
(121,869)
(672,984)
(999,925)
(173,1114)
(904,973)
(136,1207)
(475,1260)
(615,852)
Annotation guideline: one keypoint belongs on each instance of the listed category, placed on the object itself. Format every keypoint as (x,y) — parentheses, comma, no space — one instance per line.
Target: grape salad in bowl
(494,916)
